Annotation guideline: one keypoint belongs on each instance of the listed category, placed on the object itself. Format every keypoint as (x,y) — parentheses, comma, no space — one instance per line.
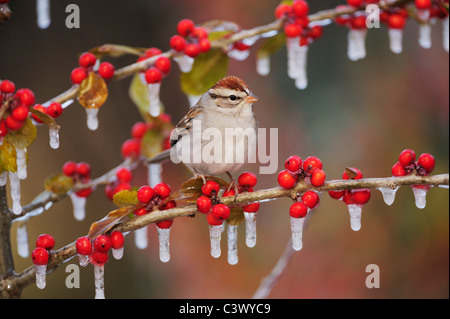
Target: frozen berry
(185,27)
(298,210)
(361,196)
(163,64)
(131,148)
(355,3)
(54,110)
(292,30)
(78,75)
(145,194)
(423,4)
(251,208)
(177,42)
(300,8)
(117,240)
(318,177)
(164,224)
(336,194)
(286,180)
(102,244)
(69,168)
(204,45)
(12,123)
(84,169)
(40,256)
(20,113)
(106,70)
(45,241)
(247,179)
(40,108)
(212,220)
(124,175)
(210,188)
(162,190)
(310,163)
(7,86)
(153,76)
(352,173)
(139,129)
(99,258)
(293,164)
(427,161)
(310,199)
(398,170)
(220,211)
(396,21)
(87,60)
(192,50)
(204,204)
(282,10)
(84,246)
(407,157)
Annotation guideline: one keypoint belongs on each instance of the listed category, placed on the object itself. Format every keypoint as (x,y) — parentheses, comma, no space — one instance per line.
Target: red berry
(177,42)
(316,32)
(210,188)
(282,10)
(199,33)
(98,258)
(25,96)
(131,148)
(40,256)
(407,157)
(311,199)
(153,76)
(3,128)
(300,8)
(141,211)
(124,175)
(69,168)
(45,241)
(84,246)
(84,169)
(358,22)
(20,113)
(192,50)
(12,123)
(298,210)
(204,44)
(139,129)
(7,86)
(293,164)
(347,199)
(164,224)
(229,192)
(87,60)
(162,189)
(310,163)
(102,244)
(145,194)
(185,27)
(84,192)
(220,211)
(163,64)
(117,240)
(357,171)
(251,208)
(286,180)
(292,30)
(361,196)
(78,75)
(121,186)
(427,161)
(318,178)
(212,220)
(423,4)
(336,194)
(54,110)
(204,204)
(151,52)
(106,70)
(396,21)
(398,170)
(355,3)
(39,108)
(169,205)
(247,179)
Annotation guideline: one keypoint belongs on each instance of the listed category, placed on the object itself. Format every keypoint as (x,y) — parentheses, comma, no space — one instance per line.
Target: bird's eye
(233,97)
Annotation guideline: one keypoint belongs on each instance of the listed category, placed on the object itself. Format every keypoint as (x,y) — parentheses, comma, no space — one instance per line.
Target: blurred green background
(360,114)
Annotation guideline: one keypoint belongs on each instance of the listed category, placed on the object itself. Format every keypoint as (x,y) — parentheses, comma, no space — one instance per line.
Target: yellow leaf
(8,156)
(93,91)
(125,198)
(152,143)
(23,137)
(58,183)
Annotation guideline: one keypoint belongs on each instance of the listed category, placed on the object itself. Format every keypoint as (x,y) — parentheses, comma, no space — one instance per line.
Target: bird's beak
(251,98)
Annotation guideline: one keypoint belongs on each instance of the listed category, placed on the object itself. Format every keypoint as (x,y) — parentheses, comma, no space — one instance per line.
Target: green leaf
(138,92)
(152,143)
(125,198)
(208,68)
(58,183)
(271,45)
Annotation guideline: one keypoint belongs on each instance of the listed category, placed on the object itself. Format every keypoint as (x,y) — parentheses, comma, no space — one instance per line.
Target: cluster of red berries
(352,196)
(44,246)
(308,201)
(435,8)
(190,39)
(80,173)
(296,169)
(210,205)
(122,182)
(97,251)
(297,22)
(86,63)
(408,165)
(155,197)
(157,70)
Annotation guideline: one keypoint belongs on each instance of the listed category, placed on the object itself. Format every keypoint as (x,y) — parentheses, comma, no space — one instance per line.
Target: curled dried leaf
(58,183)
(113,218)
(125,198)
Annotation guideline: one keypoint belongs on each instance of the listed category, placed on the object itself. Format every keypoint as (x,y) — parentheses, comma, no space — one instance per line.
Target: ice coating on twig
(445,33)
(356,45)
(388,194)
(14,183)
(164,239)
(263,65)
(396,40)
(3,178)
(43,13)
(215,234)
(92,118)
(99,274)
(355,212)
(154,171)
(40,271)
(420,196)
(21,161)
(425,35)
(54,137)
(239,55)
(297,232)
(83,260)
(184,62)
(22,240)
(79,206)
(250,229)
(153,97)
(140,237)
(232,244)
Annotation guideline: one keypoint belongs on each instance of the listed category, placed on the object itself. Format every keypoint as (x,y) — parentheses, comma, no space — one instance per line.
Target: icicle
(420,196)
(423,15)
(79,206)
(292,46)
(14,183)
(154,172)
(395,40)
(163,237)
(250,229)
(92,118)
(215,234)
(301,82)
(425,36)
(185,63)
(297,232)
(140,238)
(239,55)
(193,99)
(263,65)
(232,244)
(83,260)
(21,160)
(445,33)
(54,137)
(117,253)
(355,216)
(22,240)
(43,13)
(356,48)
(99,273)
(153,97)
(3,178)
(388,194)
(41,271)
